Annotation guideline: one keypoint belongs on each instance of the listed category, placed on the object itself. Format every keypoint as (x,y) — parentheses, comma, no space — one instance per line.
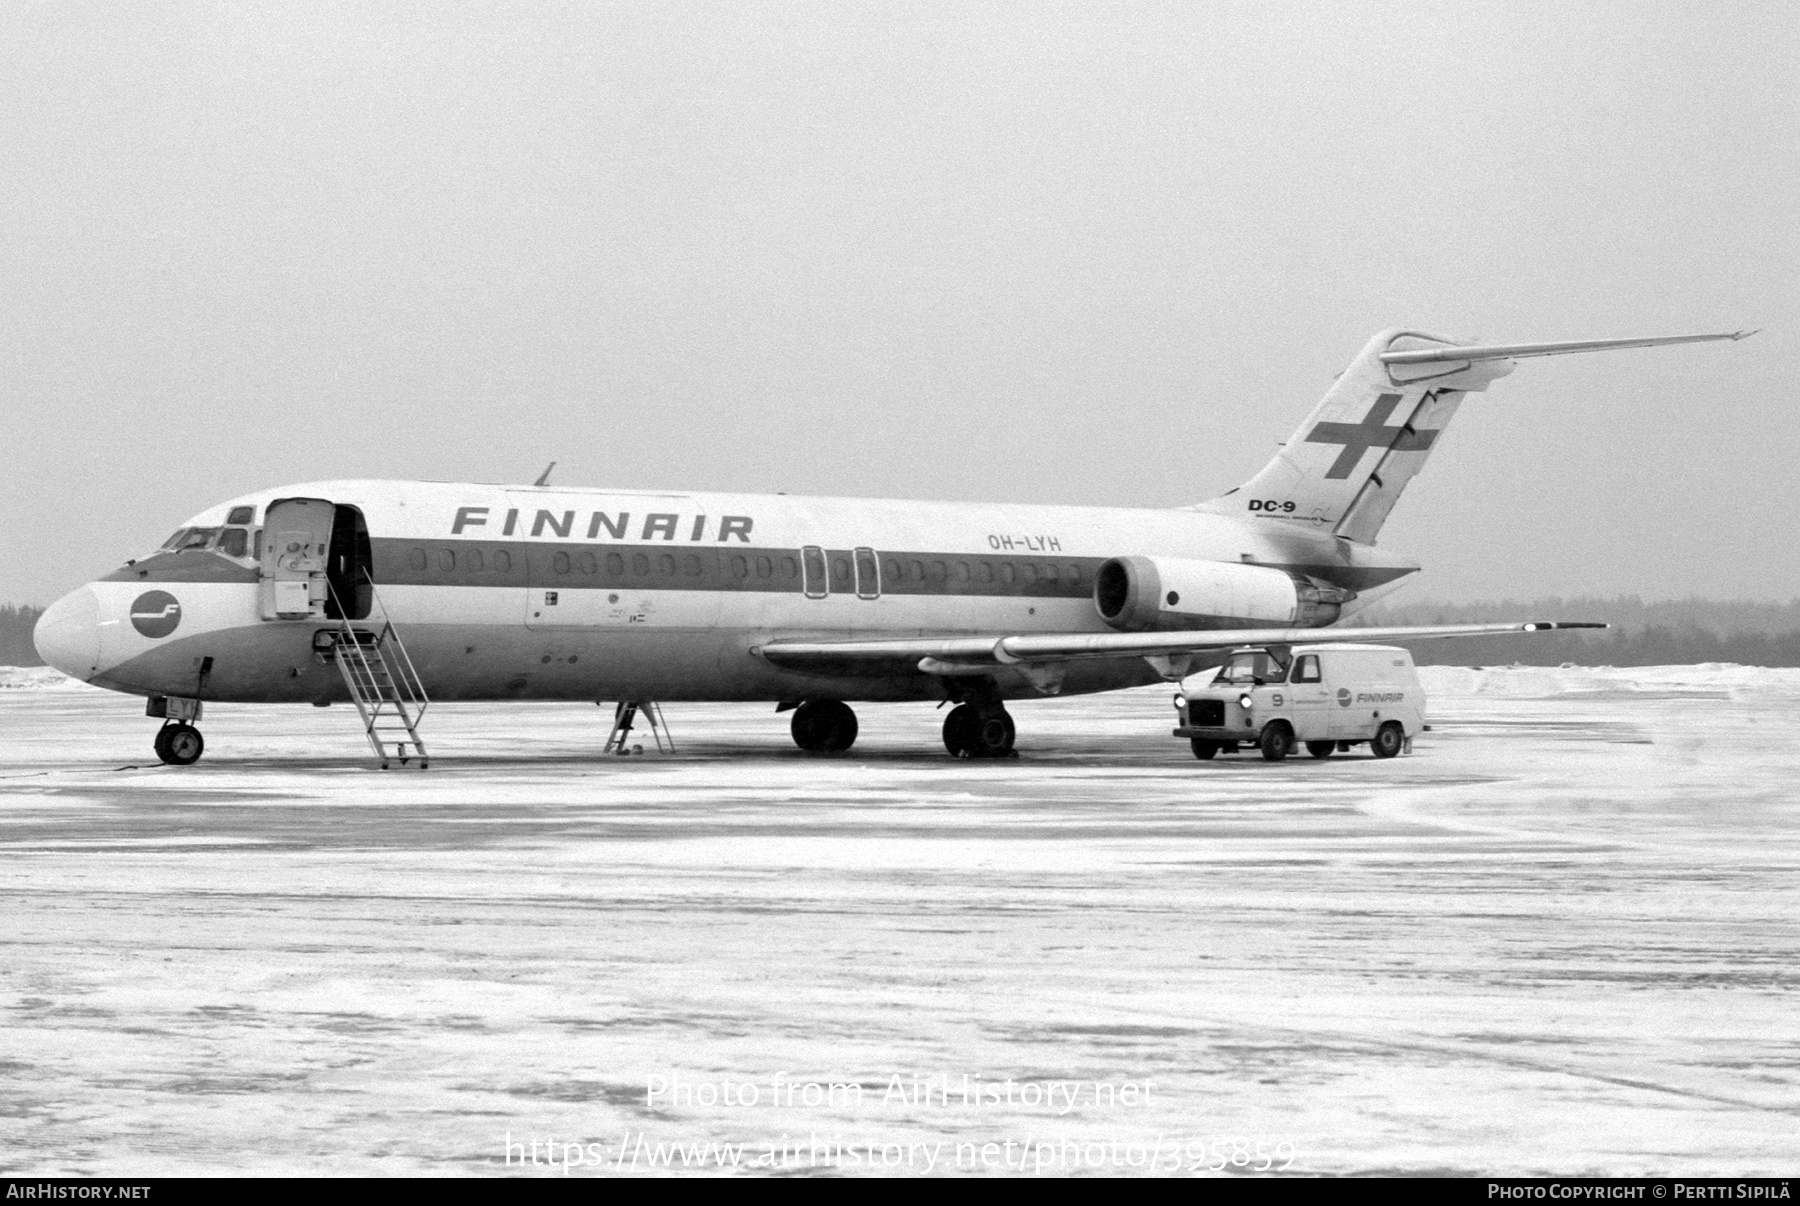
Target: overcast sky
(1092,253)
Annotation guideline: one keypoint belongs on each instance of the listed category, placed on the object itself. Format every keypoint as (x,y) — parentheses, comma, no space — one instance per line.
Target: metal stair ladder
(386,689)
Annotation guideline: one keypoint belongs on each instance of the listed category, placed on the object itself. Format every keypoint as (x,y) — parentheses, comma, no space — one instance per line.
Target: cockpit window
(175,540)
(194,538)
(234,542)
(1248,669)
(241,515)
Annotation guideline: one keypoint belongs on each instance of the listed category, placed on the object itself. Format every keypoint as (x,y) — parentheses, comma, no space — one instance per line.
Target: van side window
(1306,670)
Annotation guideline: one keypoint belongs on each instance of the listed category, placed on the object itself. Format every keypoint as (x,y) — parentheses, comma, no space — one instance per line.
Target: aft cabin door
(295,558)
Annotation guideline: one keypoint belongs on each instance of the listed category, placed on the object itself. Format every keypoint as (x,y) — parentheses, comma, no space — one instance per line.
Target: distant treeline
(1671,633)
(16,624)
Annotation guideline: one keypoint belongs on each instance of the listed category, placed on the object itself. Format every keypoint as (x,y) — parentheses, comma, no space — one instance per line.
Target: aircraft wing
(972,655)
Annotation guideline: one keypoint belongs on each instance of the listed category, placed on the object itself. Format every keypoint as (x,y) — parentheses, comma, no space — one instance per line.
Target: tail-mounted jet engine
(1163,594)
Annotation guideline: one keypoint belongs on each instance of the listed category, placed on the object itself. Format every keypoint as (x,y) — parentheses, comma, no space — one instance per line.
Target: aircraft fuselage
(506,592)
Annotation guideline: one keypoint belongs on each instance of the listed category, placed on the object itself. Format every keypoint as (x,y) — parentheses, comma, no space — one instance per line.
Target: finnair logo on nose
(155,613)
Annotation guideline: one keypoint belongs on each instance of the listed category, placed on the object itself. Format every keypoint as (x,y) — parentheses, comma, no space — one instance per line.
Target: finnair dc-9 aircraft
(391,594)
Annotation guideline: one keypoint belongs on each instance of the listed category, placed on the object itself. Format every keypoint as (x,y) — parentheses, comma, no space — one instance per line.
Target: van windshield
(1250,668)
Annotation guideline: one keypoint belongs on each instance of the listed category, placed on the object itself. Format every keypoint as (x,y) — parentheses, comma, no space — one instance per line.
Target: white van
(1326,697)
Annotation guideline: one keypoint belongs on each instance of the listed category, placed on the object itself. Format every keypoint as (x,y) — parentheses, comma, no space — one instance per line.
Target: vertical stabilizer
(1343,471)
(1346,466)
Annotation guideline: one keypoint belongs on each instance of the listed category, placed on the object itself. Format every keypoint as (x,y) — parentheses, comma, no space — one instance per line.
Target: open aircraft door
(296,552)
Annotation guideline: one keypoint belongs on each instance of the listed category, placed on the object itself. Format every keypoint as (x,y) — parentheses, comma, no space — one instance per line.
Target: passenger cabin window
(1251,669)
(1306,669)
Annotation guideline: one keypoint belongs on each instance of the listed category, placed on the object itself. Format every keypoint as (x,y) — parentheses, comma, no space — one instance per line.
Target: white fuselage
(505,592)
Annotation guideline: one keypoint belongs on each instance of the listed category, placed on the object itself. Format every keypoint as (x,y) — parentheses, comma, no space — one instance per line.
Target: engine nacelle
(1163,594)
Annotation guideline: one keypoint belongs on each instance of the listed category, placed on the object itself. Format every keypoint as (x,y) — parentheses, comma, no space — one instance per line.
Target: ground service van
(1326,697)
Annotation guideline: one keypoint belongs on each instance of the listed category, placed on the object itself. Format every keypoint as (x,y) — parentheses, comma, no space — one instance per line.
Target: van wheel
(1277,741)
(1204,749)
(1321,749)
(1388,739)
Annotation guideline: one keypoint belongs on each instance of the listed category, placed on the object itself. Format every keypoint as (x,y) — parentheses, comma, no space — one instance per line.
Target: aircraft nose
(68,634)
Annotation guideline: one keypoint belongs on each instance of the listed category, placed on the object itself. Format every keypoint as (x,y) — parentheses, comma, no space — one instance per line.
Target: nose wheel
(179,744)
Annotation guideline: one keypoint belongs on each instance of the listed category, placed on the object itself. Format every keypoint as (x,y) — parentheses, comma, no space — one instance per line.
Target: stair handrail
(409,679)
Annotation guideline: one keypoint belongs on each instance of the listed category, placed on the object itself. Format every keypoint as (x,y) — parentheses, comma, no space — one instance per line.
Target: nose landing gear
(179,743)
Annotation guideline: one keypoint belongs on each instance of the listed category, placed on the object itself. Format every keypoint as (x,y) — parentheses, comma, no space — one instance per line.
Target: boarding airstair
(385,688)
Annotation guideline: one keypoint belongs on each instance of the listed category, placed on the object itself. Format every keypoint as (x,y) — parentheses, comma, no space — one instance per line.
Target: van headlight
(1244,701)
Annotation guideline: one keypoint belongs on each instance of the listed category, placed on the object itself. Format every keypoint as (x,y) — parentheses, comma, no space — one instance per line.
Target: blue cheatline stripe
(661,566)
(665,566)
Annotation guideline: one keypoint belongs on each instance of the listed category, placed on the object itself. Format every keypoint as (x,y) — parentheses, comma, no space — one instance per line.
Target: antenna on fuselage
(544,477)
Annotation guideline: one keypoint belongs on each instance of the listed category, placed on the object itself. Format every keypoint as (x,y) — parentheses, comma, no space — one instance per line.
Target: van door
(295,558)
(1311,699)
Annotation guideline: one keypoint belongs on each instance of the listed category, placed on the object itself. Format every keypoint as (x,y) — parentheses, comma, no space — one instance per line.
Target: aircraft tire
(824,726)
(971,733)
(994,733)
(1387,740)
(959,735)
(1277,741)
(179,744)
(1203,749)
(1321,749)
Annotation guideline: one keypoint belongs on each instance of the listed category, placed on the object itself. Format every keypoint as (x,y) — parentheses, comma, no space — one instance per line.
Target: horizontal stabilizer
(974,654)
(1521,351)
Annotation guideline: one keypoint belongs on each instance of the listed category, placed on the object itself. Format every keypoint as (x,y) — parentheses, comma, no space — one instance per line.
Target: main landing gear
(824,726)
(979,732)
(179,743)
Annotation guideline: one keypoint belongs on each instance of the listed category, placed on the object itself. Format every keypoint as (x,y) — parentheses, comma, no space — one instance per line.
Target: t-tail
(1346,466)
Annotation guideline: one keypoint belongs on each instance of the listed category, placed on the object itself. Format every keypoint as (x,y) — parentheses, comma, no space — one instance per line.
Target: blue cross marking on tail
(1372,432)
